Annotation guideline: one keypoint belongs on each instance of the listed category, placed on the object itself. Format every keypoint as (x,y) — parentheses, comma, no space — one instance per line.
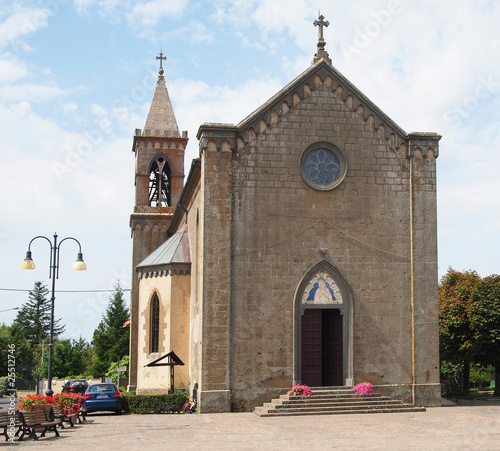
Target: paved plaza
(470,426)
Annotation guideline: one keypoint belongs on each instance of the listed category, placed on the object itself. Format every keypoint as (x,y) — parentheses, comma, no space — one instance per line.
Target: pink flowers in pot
(70,402)
(363,388)
(26,403)
(298,390)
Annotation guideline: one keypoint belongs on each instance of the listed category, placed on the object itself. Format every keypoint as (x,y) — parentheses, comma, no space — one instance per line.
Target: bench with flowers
(67,407)
(37,421)
(40,413)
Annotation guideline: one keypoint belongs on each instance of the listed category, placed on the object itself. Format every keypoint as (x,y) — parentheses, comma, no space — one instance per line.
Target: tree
(71,358)
(456,338)
(35,315)
(484,313)
(100,351)
(117,315)
(113,369)
(5,342)
(111,338)
(23,351)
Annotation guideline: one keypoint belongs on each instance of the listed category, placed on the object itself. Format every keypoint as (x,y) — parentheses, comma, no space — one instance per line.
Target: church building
(301,247)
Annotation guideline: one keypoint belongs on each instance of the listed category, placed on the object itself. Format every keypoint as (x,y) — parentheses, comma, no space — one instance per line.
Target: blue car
(101,398)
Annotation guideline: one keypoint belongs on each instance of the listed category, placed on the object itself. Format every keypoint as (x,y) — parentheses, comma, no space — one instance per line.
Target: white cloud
(193,32)
(82,6)
(151,12)
(21,22)
(11,70)
(31,91)
(281,23)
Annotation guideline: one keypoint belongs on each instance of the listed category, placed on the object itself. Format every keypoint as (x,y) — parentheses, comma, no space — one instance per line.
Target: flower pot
(45,407)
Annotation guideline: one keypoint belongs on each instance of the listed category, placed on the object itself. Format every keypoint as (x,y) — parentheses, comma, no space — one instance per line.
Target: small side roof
(174,250)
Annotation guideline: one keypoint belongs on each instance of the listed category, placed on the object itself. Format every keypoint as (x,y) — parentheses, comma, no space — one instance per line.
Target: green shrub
(481,376)
(3,385)
(143,404)
(184,391)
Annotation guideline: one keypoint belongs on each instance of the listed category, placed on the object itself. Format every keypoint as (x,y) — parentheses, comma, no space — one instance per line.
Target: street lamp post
(79,265)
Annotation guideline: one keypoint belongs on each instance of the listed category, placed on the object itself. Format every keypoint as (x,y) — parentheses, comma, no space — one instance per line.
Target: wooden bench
(60,415)
(34,421)
(9,421)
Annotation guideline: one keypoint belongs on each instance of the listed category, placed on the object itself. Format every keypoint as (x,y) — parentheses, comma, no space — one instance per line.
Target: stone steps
(333,401)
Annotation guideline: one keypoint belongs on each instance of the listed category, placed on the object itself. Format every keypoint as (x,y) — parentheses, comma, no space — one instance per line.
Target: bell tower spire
(161,115)
(159,178)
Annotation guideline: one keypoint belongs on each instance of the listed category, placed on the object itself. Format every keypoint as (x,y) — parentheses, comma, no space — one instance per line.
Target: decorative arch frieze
(320,76)
(273,111)
(164,272)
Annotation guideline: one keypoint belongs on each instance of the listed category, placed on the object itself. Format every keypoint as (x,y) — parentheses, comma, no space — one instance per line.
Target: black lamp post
(79,265)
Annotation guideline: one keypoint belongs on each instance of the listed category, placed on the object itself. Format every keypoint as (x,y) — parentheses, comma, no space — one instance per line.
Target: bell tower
(159,178)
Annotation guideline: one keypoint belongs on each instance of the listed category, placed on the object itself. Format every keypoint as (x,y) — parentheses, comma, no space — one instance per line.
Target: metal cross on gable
(161,57)
(321,23)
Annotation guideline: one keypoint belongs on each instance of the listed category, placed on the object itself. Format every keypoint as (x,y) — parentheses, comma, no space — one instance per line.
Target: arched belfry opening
(160,183)
(323,328)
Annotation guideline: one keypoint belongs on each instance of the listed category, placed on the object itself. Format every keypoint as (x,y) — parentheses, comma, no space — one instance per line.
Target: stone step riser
(339,408)
(319,401)
(327,400)
(332,399)
(336,412)
(331,405)
(309,398)
(323,398)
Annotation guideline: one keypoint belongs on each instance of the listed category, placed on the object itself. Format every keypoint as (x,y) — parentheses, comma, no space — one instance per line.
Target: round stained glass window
(322,166)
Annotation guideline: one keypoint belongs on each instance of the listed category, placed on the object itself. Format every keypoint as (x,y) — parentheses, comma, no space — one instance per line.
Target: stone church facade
(302,248)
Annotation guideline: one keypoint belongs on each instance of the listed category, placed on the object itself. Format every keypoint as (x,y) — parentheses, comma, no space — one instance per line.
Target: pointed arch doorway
(323,328)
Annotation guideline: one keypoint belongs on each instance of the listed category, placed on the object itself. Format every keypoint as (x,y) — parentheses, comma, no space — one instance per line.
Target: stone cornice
(159,141)
(217,133)
(173,269)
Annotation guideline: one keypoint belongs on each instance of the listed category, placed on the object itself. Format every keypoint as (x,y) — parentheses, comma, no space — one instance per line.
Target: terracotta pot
(45,407)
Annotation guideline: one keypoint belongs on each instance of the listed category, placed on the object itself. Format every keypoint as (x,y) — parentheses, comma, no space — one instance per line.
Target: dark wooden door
(321,347)
(311,348)
(332,347)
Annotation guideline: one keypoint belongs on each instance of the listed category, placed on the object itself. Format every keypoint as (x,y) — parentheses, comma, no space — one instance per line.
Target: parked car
(102,397)
(75,386)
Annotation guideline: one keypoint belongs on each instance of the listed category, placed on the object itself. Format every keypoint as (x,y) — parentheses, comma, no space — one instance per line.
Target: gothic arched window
(159,183)
(155,324)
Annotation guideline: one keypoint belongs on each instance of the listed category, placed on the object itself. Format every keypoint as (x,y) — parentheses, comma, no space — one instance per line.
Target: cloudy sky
(77,77)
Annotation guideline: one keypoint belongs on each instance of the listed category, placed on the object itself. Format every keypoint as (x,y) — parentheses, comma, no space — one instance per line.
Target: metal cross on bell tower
(161,58)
